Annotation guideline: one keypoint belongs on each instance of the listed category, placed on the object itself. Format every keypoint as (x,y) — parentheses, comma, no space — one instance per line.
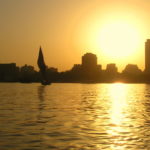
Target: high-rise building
(147,56)
(89,60)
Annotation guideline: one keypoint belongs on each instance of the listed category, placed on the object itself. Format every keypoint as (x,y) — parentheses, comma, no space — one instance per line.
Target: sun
(119,39)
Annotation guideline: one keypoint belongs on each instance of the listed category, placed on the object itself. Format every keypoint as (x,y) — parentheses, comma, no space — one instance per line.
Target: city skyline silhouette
(88,71)
(113,30)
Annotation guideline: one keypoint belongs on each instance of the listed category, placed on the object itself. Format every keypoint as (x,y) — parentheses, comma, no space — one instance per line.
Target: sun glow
(115,36)
(119,39)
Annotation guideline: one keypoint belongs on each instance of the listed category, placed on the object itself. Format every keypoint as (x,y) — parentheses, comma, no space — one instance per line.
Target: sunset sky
(114,30)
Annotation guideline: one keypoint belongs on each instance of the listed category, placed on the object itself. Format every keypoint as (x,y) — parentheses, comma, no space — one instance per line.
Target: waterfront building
(111,68)
(132,69)
(8,72)
(89,60)
(147,56)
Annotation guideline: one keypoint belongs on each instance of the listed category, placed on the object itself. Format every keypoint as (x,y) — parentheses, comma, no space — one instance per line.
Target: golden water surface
(74,116)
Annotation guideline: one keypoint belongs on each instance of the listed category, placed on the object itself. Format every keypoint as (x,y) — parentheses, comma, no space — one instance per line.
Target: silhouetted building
(89,60)
(27,73)
(8,72)
(147,56)
(132,69)
(88,71)
(89,68)
(132,74)
(89,63)
(76,68)
(110,74)
(111,68)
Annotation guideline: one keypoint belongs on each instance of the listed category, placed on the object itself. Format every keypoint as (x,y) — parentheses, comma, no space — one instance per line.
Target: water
(74,117)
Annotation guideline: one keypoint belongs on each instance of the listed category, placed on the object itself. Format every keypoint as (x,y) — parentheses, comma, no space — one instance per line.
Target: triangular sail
(42,67)
(41,62)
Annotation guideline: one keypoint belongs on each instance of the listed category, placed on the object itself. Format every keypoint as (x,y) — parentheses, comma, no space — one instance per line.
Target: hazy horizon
(67,29)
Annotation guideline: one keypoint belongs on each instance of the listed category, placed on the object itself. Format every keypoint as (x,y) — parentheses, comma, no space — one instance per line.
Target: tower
(89,60)
(147,56)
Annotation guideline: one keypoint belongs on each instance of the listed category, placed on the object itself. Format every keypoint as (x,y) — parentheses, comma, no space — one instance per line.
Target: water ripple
(75,117)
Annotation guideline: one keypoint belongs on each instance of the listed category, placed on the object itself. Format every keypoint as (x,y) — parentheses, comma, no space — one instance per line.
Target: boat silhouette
(42,66)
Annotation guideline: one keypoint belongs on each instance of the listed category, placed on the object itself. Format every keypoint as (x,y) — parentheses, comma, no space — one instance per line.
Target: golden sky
(115,30)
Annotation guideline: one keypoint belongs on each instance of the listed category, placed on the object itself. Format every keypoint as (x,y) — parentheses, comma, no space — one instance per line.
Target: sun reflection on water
(118,103)
(118,106)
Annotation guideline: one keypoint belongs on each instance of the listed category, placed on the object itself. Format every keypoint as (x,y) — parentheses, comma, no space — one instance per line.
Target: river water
(74,116)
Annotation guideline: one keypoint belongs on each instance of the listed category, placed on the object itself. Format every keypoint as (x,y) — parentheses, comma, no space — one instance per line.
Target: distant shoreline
(86,82)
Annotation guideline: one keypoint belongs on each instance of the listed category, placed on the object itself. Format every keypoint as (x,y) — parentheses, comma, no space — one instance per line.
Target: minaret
(147,56)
